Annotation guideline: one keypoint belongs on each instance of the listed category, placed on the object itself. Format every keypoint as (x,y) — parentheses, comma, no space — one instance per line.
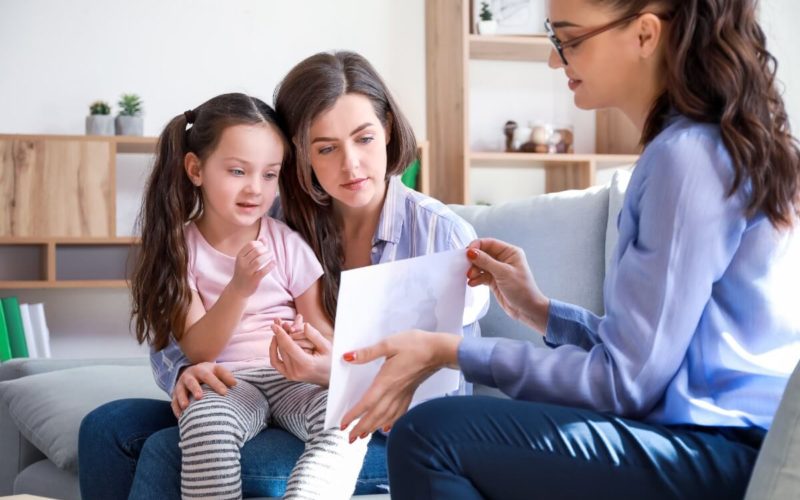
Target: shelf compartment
(534,48)
(97,262)
(27,262)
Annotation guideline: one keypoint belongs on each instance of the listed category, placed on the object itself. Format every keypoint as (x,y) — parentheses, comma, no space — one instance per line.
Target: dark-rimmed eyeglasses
(560,46)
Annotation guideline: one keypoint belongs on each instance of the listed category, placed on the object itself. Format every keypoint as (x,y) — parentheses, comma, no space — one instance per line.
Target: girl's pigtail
(159,287)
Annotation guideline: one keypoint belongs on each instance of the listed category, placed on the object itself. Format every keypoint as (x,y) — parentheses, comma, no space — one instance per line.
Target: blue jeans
(129,449)
(479,447)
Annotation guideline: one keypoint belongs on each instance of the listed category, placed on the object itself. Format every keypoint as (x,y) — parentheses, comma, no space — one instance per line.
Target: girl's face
(604,70)
(348,152)
(239,179)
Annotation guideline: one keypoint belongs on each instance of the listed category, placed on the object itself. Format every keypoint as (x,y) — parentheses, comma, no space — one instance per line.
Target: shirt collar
(390,224)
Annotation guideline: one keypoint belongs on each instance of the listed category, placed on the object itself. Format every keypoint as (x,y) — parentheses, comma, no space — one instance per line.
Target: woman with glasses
(670,393)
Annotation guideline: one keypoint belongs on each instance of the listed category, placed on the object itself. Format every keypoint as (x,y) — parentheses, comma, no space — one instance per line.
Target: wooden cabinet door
(56,187)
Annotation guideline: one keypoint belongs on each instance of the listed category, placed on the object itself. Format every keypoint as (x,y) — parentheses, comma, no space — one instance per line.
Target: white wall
(56,57)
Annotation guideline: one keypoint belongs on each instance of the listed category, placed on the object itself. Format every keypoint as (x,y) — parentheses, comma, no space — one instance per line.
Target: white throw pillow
(48,407)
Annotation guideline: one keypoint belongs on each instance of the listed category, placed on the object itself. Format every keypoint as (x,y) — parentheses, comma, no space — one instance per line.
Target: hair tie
(190,116)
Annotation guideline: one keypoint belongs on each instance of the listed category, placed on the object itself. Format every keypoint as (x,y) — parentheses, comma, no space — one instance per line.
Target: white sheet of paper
(375,301)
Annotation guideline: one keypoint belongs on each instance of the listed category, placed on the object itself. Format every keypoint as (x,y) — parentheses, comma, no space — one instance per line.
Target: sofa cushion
(777,470)
(48,407)
(563,236)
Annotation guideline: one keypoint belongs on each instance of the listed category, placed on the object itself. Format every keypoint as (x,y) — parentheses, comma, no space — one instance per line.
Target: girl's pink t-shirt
(210,271)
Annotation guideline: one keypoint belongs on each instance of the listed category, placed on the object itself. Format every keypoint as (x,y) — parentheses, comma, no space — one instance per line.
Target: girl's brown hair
(718,70)
(159,285)
(311,88)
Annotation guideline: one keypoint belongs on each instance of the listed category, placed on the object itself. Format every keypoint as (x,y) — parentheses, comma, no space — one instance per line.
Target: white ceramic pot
(487,27)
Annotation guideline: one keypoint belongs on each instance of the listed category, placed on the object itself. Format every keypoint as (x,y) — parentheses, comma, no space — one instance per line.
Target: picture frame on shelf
(513,17)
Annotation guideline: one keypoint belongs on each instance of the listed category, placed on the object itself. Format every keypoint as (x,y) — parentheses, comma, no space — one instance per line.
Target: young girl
(214,273)
(669,394)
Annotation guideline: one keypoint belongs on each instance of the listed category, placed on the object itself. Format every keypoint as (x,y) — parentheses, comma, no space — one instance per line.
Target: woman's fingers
(367,354)
(320,343)
(374,417)
(176,409)
(482,261)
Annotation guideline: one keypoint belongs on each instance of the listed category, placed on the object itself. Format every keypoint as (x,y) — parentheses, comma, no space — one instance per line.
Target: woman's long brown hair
(159,285)
(309,89)
(718,70)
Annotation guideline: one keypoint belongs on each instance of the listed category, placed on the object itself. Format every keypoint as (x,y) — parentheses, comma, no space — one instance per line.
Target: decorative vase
(129,125)
(99,125)
(487,27)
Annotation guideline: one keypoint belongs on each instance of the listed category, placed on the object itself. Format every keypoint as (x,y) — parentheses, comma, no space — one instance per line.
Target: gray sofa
(566,236)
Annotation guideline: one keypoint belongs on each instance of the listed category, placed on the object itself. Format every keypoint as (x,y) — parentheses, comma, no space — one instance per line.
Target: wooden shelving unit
(450,47)
(58,210)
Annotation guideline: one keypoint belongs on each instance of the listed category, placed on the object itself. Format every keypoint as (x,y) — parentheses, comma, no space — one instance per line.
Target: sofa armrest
(17,453)
(22,367)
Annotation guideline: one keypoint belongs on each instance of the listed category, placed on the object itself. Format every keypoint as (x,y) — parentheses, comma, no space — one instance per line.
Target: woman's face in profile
(348,152)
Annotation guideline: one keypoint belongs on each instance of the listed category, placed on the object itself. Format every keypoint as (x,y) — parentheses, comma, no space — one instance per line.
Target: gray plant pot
(129,125)
(99,125)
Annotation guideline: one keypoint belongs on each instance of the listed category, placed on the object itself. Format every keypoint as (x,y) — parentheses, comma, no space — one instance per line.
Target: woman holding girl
(341,192)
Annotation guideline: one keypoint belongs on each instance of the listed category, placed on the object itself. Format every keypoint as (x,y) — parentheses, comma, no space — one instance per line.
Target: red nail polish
(472,254)
(349,356)
(352,439)
(343,427)
(387,428)
(363,435)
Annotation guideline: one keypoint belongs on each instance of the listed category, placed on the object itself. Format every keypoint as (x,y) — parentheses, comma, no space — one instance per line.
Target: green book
(5,346)
(16,333)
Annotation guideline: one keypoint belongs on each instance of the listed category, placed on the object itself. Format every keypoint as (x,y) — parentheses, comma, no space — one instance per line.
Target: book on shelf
(25,314)
(16,331)
(5,345)
(41,333)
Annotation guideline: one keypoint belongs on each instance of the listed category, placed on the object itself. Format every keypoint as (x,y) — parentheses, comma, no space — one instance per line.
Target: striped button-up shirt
(411,224)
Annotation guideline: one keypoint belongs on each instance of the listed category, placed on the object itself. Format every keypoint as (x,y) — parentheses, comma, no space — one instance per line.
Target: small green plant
(486,13)
(99,108)
(130,105)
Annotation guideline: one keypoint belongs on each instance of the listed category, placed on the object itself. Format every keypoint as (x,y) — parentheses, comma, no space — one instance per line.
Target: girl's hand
(295,329)
(505,269)
(294,363)
(411,357)
(188,384)
(252,263)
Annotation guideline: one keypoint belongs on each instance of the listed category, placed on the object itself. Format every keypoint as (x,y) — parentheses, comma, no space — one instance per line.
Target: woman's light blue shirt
(702,321)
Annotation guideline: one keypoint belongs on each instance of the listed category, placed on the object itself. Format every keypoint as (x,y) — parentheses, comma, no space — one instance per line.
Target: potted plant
(129,120)
(487,25)
(99,121)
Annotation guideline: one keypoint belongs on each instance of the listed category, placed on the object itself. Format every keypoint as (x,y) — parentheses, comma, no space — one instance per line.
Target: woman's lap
(478,447)
(123,430)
